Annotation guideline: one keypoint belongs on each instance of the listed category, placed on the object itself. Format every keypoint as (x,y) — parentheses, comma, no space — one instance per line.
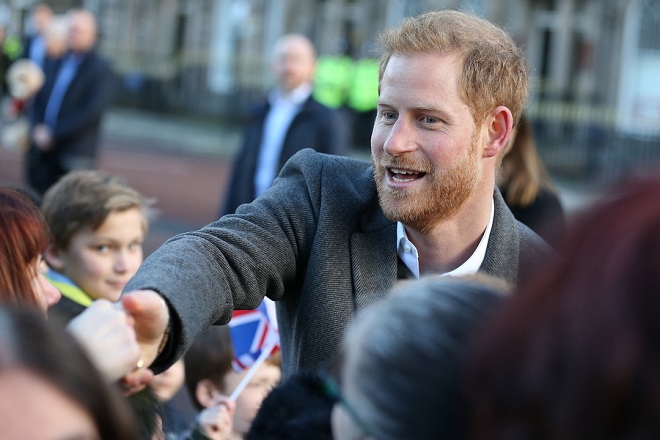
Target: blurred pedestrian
(363,97)
(67,113)
(34,44)
(290,120)
(332,76)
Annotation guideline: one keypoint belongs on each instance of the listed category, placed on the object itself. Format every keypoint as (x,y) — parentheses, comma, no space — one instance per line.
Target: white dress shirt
(408,252)
(283,108)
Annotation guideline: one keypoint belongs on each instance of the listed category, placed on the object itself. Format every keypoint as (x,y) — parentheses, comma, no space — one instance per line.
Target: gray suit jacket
(318,243)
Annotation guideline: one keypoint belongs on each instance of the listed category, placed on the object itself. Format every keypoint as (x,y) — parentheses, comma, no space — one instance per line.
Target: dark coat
(318,243)
(315,126)
(77,130)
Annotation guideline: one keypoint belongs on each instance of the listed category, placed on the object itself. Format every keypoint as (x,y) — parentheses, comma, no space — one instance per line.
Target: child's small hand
(108,336)
(216,422)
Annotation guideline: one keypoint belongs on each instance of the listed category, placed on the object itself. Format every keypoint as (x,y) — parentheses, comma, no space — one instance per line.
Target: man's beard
(438,200)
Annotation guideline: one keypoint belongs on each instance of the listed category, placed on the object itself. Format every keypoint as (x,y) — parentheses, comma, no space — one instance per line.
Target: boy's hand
(151,318)
(216,422)
(107,335)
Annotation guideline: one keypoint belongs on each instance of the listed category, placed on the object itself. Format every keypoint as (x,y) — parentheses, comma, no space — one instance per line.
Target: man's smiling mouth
(401,175)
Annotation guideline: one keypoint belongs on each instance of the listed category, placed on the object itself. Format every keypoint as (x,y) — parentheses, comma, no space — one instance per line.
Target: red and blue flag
(252,332)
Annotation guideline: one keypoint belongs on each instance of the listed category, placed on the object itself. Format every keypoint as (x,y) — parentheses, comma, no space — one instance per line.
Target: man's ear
(206,393)
(53,257)
(499,125)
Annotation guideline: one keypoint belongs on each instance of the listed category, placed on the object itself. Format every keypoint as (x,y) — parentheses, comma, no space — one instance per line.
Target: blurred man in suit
(67,112)
(288,121)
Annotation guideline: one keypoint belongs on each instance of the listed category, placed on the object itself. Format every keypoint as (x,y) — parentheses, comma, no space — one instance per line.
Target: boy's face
(249,401)
(101,262)
(167,383)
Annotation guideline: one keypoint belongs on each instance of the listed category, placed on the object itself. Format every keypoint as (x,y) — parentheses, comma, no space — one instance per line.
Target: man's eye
(431,119)
(389,115)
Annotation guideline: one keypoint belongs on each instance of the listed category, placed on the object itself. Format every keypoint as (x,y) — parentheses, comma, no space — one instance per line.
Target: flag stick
(253,369)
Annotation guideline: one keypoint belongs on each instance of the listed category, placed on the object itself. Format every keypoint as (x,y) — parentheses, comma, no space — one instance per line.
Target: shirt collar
(296,96)
(408,252)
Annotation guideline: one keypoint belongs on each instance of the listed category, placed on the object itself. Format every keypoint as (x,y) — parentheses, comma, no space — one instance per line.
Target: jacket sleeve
(232,263)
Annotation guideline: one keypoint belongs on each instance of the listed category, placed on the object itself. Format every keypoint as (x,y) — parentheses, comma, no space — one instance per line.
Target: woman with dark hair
(575,353)
(56,392)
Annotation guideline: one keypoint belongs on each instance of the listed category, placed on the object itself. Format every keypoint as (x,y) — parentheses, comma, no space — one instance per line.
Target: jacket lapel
(502,253)
(373,262)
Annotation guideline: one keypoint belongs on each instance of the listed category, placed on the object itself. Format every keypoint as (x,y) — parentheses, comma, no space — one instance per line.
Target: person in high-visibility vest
(10,50)
(332,79)
(362,99)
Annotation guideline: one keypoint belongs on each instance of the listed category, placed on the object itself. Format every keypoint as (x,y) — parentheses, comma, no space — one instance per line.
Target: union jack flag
(251,332)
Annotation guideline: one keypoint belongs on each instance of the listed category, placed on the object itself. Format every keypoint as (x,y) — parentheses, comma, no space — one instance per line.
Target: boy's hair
(494,70)
(210,358)
(86,198)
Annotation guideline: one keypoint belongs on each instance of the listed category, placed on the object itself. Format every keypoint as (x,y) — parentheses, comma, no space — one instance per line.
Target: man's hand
(151,318)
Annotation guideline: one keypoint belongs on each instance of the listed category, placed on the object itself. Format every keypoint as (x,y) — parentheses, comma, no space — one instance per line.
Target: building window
(649,35)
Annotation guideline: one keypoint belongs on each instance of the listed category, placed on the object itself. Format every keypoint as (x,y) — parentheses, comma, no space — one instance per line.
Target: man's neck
(451,242)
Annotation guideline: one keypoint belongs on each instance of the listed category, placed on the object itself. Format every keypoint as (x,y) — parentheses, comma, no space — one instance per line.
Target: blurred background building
(595,98)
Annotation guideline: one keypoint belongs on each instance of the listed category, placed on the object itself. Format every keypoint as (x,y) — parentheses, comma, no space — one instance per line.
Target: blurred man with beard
(333,234)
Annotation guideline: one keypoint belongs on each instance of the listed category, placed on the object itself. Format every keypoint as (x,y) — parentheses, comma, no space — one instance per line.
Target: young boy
(210,379)
(97,225)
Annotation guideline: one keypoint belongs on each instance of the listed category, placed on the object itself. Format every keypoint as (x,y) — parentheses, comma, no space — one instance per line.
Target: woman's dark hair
(575,354)
(28,341)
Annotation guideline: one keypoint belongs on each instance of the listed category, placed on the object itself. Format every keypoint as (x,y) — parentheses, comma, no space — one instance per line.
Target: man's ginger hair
(494,71)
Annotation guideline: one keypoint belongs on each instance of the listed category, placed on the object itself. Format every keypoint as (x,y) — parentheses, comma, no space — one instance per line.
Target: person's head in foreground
(575,353)
(403,360)
(98,224)
(50,389)
(452,87)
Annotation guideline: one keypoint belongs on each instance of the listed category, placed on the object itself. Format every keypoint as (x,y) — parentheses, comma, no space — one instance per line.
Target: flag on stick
(252,332)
